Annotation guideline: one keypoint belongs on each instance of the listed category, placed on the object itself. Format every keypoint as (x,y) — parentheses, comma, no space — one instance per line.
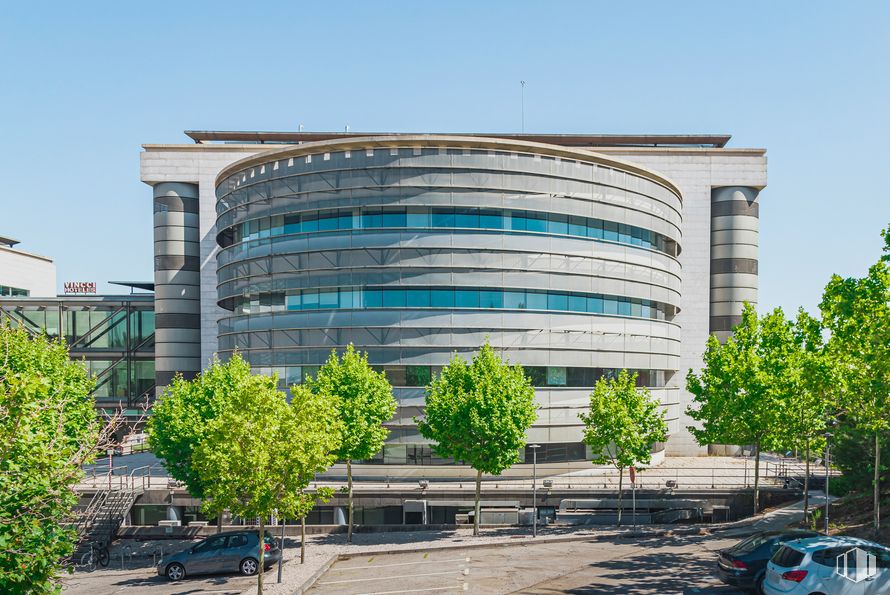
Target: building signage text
(80,287)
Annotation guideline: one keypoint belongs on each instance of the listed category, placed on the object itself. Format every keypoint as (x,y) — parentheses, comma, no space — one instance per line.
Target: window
(556,376)
(787,557)
(417,375)
(418,298)
(213,543)
(239,540)
(466,298)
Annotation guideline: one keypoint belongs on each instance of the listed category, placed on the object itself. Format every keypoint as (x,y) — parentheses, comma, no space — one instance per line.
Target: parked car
(232,551)
(829,566)
(744,564)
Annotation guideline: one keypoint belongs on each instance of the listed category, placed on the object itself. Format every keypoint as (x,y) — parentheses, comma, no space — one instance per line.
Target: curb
(307,584)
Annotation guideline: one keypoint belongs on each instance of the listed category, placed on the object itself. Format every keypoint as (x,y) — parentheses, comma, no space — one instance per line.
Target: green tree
(48,429)
(257,457)
(742,393)
(181,416)
(478,413)
(365,402)
(622,424)
(813,381)
(857,312)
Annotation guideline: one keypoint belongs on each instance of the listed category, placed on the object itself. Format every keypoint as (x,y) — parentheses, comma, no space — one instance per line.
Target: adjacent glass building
(113,336)
(576,256)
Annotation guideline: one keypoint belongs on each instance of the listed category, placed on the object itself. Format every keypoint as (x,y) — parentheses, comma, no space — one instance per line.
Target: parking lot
(146,581)
(645,566)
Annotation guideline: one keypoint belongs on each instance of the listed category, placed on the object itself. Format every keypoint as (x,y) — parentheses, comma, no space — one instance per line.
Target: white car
(829,566)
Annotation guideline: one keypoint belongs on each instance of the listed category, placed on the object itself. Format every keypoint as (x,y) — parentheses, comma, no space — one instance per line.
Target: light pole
(534,448)
(827,436)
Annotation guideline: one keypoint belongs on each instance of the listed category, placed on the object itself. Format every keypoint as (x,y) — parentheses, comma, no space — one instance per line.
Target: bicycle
(97,556)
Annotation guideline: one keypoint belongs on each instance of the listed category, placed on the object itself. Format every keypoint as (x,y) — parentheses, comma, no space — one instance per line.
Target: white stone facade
(30,272)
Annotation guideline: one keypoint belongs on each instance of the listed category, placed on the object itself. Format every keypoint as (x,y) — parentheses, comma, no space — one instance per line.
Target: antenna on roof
(523,104)
(347,128)
(301,127)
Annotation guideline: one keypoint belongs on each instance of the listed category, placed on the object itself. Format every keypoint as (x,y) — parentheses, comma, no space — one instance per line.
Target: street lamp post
(827,436)
(534,448)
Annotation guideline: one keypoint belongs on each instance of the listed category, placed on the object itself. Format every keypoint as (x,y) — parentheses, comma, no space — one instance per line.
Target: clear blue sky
(85,84)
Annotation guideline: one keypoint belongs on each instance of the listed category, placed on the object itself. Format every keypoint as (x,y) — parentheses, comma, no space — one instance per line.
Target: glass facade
(431,218)
(421,376)
(112,336)
(6,291)
(450,298)
(563,259)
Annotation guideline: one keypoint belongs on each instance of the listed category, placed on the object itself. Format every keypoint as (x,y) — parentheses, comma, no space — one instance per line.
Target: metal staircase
(103,516)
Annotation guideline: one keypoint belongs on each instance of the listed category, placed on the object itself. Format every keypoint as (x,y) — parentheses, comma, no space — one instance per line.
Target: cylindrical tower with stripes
(177,282)
(416,247)
(734,245)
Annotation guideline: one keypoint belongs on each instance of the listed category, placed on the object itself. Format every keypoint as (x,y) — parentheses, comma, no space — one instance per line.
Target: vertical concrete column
(734,247)
(177,282)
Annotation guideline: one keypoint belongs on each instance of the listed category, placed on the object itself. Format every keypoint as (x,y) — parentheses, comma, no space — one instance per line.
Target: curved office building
(416,247)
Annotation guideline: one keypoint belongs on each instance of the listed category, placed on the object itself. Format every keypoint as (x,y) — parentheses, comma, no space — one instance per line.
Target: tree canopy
(478,413)
(257,457)
(48,429)
(181,416)
(622,424)
(365,402)
(743,394)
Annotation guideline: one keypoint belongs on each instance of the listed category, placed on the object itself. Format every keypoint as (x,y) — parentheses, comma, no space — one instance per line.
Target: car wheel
(248,566)
(758,584)
(175,572)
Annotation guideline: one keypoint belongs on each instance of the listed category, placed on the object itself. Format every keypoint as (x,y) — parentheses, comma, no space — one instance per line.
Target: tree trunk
(877,482)
(219,522)
(259,574)
(303,540)
(620,491)
(349,482)
(756,477)
(806,485)
(281,558)
(478,493)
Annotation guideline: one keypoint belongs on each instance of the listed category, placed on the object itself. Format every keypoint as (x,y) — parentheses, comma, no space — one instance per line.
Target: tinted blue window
(371,219)
(577,303)
(418,219)
(514,300)
(558,224)
(347,298)
(466,298)
(536,224)
(491,299)
(442,298)
(577,226)
(636,309)
(418,298)
(309,223)
(328,221)
(345,220)
(310,299)
(624,307)
(328,299)
(610,306)
(443,218)
(395,219)
(595,304)
(595,229)
(557,302)
(393,298)
(517,221)
(610,231)
(294,302)
(466,218)
(491,220)
(536,301)
(373,298)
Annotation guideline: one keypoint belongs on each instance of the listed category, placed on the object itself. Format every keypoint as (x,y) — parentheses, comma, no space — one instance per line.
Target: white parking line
(411,591)
(402,564)
(385,578)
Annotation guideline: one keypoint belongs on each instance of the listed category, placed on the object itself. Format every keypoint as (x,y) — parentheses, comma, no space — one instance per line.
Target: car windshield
(749,545)
(787,557)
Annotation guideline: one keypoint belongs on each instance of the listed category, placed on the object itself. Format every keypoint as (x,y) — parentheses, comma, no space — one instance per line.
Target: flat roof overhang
(566,140)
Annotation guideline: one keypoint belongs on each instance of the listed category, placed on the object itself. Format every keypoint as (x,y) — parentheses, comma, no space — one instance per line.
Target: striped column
(177,282)
(734,246)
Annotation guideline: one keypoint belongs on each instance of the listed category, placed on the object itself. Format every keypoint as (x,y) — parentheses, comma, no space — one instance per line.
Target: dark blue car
(744,564)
